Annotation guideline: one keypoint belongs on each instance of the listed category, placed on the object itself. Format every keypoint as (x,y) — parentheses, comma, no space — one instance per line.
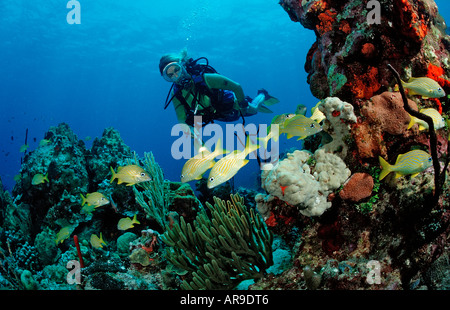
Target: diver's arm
(217,81)
(179,110)
(181,116)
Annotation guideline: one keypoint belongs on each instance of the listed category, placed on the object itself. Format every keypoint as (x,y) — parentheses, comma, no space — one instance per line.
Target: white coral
(306,183)
(339,115)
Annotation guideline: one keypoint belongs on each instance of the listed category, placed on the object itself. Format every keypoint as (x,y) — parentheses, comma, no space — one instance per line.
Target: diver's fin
(264,109)
(257,101)
(268,99)
(271,101)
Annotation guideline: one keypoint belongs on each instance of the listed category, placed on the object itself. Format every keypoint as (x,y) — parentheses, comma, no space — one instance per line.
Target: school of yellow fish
(293,125)
(130,175)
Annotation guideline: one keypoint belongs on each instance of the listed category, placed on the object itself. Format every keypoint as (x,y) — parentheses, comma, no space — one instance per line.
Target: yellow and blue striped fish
(300,126)
(317,115)
(228,166)
(273,131)
(131,174)
(194,168)
(425,87)
(279,120)
(438,120)
(412,162)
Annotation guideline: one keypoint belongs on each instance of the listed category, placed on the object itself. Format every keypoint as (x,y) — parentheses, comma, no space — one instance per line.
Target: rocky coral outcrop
(380,116)
(358,187)
(355,42)
(389,222)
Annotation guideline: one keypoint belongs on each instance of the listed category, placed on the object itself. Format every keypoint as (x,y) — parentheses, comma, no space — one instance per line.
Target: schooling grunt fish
(23,148)
(317,115)
(438,120)
(64,233)
(412,162)
(131,174)
(97,242)
(127,223)
(94,199)
(423,86)
(300,126)
(196,166)
(229,165)
(39,179)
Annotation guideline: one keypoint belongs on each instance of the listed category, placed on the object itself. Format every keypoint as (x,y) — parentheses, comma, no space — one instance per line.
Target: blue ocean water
(103,72)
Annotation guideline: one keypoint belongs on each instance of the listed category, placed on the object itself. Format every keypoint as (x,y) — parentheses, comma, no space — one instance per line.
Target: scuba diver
(199,90)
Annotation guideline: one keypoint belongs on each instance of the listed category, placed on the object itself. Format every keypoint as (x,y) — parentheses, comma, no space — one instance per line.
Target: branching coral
(221,251)
(152,199)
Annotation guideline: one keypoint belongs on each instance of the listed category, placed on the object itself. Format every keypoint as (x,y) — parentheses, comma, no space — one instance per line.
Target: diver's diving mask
(174,72)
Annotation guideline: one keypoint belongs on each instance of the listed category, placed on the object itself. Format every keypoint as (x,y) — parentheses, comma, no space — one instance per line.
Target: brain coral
(305,180)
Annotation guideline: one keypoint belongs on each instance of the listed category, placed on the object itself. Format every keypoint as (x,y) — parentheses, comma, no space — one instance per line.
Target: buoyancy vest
(221,102)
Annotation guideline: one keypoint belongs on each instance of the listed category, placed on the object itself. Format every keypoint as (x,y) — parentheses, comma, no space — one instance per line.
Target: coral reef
(322,218)
(348,59)
(358,187)
(304,180)
(400,226)
(232,246)
(33,215)
(339,118)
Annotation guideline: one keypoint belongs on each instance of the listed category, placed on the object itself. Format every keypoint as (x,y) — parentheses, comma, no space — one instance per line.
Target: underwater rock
(312,279)
(277,214)
(145,250)
(28,281)
(108,151)
(46,247)
(381,115)
(140,256)
(63,160)
(123,243)
(181,199)
(358,187)
(349,57)
(105,281)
